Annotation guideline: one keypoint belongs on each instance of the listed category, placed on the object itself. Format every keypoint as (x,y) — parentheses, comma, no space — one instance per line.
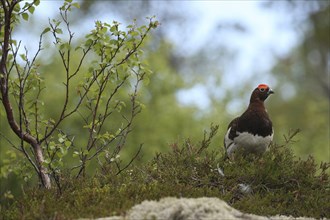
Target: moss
(280,184)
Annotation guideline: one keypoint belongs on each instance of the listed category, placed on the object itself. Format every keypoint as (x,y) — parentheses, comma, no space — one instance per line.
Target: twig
(131,161)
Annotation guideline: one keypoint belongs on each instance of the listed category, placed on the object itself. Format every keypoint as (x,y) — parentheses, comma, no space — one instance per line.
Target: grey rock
(204,208)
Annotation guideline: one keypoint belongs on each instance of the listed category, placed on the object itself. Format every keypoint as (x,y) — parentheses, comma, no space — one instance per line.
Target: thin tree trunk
(42,170)
(8,8)
(44,177)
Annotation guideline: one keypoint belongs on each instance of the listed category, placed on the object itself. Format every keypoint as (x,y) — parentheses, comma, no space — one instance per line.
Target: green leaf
(63,151)
(67,143)
(85,152)
(25,16)
(76,5)
(52,121)
(58,31)
(114,28)
(31,9)
(65,46)
(8,195)
(75,154)
(52,146)
(103,30)
(59,154)
(89,42)
(47,161)
(61,140)
(154,24)
(134,33)
(87,126)
(17,8)
(23,57)
(47,29)
(36,2)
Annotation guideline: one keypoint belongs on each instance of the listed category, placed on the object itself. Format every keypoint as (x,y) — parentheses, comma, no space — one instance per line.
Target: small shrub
(278,183)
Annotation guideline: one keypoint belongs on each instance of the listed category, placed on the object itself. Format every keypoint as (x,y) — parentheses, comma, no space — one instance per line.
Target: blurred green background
(206,57)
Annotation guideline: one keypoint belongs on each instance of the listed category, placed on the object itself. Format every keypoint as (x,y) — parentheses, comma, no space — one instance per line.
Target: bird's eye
(262,90)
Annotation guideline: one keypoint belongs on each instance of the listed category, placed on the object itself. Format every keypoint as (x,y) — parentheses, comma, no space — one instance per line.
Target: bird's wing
(233,128)
(231,133)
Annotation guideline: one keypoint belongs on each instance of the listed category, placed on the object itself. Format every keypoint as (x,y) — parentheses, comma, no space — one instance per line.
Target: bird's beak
(270,92)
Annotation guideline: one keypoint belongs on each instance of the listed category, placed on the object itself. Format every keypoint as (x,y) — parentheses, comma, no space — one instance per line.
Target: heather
(279,183)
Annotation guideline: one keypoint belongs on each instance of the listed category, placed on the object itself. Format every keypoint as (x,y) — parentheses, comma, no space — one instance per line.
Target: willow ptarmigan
(252,132)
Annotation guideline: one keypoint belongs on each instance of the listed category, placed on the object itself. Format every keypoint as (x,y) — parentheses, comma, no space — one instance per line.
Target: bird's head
(261,92)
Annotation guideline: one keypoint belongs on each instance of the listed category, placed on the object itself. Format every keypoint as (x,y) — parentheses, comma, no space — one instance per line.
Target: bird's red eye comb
(263,86)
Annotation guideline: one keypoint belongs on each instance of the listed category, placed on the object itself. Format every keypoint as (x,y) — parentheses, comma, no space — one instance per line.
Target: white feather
(250,143)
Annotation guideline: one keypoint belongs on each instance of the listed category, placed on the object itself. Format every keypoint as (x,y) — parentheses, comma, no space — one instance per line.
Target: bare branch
(30,159)
(64,109)
(131,161)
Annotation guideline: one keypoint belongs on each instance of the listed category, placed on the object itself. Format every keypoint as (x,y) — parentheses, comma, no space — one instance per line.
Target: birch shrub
(96,88)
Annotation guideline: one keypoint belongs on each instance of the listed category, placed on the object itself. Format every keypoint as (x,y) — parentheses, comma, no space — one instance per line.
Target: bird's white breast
(248,142)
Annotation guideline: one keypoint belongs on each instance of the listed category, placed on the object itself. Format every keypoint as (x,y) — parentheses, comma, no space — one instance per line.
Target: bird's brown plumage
(253,130)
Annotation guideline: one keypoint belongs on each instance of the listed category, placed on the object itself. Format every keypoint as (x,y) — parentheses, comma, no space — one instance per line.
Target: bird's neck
(257,104)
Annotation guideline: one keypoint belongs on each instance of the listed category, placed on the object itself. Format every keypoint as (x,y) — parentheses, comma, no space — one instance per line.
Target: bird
(252,132)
